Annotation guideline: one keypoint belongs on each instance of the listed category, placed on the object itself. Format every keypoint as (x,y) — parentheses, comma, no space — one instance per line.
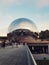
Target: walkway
(13,56)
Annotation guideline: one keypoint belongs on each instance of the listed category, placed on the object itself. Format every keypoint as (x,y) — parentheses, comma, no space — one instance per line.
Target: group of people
(11,43)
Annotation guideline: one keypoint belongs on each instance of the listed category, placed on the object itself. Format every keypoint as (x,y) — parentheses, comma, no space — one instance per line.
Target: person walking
(3,44)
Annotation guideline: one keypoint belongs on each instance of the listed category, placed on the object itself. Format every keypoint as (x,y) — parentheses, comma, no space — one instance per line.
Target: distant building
(3,38)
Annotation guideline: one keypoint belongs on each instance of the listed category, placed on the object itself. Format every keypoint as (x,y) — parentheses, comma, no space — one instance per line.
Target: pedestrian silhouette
(3,44)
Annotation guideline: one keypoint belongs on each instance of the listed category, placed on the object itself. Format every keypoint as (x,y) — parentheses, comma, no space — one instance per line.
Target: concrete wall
(41,56)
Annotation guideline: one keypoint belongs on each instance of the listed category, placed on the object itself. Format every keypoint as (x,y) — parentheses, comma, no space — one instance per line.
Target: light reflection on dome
(22,23)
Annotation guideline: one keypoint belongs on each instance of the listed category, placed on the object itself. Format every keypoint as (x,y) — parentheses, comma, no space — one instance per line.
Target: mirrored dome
(22,23)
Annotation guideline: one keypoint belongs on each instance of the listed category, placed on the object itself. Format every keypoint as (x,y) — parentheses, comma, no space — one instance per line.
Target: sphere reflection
(22,23)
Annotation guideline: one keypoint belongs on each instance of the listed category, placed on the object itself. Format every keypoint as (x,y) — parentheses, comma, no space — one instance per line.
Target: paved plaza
(13,56)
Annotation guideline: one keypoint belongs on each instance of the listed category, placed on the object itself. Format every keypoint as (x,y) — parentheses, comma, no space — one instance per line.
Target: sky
(35,10)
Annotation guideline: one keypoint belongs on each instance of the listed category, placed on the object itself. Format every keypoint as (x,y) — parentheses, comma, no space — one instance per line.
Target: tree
(44,34)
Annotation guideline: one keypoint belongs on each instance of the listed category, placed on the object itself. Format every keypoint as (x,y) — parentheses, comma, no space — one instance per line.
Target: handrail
(31,60)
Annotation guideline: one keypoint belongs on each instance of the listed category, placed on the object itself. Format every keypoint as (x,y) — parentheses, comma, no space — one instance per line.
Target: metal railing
(30,58)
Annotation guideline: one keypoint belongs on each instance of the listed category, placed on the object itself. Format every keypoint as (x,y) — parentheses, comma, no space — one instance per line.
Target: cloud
(41,3)
(38,3)
(42,21)
(5,19)
(44,25)
(11,2)
(3,31)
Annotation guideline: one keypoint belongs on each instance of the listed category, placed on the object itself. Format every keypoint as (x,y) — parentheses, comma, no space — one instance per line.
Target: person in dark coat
(3,44)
